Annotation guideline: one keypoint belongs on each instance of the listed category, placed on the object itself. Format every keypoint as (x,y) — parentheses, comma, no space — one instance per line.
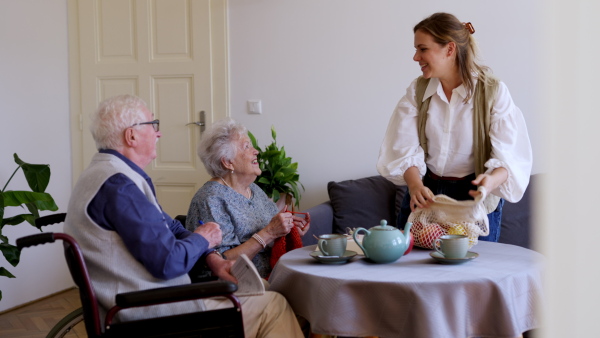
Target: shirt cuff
(493,164)
(395,172)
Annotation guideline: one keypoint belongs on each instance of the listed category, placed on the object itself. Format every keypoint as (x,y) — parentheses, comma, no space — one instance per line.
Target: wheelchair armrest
(175,294)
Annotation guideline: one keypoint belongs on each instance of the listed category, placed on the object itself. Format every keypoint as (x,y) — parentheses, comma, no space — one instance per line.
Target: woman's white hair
(218,143)
(112,117)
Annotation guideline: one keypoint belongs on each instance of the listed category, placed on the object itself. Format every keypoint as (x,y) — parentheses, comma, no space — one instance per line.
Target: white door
(172,54)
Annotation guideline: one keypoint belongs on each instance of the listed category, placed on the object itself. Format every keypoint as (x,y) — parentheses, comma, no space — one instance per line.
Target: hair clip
(469,27)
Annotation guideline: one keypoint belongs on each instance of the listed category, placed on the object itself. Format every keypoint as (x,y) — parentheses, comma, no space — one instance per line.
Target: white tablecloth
(493,295)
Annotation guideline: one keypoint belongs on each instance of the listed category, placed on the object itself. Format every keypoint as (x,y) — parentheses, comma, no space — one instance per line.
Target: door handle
(198,123)
(201,123)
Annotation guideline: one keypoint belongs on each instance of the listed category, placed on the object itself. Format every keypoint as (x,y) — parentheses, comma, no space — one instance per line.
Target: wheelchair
(214,323)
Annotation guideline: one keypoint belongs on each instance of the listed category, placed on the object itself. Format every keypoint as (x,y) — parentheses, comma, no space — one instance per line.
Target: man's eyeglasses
(155,124)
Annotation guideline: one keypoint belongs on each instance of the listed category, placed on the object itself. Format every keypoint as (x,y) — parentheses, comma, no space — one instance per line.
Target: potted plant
(279,175)
(37,176)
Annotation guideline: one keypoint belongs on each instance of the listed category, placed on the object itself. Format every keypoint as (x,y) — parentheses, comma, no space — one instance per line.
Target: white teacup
(332,244)
(452,246)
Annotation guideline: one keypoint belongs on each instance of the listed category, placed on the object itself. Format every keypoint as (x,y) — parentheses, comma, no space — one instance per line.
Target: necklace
(248,191)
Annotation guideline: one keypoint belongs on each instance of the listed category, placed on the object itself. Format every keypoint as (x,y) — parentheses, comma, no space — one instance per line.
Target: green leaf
(288,171)
(18,219)
(275,195)
(37,175)
(2,205)
(254,142)
(11,253)
(263,180)
(30,218)
(279,173)
(42,200)
(5,273)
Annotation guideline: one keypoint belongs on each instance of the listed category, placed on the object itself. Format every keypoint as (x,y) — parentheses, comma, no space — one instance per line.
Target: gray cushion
(516,218)
(364,202)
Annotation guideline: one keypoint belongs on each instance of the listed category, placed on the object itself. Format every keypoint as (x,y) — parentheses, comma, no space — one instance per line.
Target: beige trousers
(268,315)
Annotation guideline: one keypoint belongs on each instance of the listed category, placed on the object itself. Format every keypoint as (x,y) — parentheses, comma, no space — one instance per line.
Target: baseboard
(36,300)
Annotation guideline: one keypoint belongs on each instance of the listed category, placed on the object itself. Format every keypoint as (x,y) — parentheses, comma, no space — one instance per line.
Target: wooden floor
(36,319)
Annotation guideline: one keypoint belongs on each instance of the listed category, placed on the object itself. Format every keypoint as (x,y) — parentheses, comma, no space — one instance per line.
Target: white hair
(112,117)
(218,143)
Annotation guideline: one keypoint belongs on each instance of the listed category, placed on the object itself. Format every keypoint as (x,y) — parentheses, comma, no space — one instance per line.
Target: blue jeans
(459,190)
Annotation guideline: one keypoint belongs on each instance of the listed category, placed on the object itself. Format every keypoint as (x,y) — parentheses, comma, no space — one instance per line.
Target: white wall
(329,73)
(34,123)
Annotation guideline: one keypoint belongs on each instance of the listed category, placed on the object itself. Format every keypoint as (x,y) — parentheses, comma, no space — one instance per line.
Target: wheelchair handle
(50,219)
(32,240)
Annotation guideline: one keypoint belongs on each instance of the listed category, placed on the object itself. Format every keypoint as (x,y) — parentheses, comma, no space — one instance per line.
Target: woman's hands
(489,181)
(281,224)
(303,223)
(420,195)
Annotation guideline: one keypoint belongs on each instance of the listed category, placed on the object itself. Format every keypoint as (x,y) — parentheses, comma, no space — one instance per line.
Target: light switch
(254,107)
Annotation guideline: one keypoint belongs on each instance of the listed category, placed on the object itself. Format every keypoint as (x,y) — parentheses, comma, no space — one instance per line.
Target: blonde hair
(446,28)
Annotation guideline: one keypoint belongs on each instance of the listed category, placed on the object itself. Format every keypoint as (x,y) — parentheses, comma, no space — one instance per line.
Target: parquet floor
(36,319)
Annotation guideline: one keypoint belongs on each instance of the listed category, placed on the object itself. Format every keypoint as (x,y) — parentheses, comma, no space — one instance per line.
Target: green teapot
(384,243)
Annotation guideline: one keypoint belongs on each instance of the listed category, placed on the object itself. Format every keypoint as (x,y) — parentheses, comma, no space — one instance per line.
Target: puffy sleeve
(400,148)
(511,148)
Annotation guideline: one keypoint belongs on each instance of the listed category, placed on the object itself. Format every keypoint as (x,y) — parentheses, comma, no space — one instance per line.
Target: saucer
(318,255)
(438,257)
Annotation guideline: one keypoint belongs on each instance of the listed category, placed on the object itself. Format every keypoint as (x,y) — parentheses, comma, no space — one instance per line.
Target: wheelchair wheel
(66,324)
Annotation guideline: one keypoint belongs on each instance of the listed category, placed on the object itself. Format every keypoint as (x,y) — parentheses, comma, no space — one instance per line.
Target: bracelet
(216,253)
(259,240)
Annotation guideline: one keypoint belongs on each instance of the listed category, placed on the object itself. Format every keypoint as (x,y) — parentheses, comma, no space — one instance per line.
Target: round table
(493,295)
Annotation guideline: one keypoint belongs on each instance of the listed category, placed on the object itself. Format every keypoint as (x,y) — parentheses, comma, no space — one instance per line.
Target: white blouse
(449,132)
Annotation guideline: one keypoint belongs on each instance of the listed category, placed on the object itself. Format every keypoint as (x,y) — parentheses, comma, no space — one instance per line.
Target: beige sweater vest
(483,102)
(111,266)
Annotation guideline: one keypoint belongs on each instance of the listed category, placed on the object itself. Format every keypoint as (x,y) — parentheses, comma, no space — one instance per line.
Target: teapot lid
(383,226)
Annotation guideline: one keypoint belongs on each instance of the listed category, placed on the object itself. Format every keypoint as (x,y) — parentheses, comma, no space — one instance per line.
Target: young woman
(456,128)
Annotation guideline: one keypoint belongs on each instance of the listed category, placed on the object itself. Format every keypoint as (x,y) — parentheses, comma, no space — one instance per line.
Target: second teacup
(452,246)
(332,244)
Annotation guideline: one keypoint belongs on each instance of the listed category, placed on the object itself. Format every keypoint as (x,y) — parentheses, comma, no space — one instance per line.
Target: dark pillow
(364,202)
(516,218)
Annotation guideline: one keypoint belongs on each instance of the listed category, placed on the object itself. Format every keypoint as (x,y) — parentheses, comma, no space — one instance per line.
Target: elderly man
(130,244)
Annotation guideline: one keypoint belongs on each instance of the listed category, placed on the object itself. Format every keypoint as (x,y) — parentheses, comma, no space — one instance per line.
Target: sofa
(365,201)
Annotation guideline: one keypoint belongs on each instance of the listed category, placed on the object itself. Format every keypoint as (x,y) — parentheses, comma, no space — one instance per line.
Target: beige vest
(483,102)
(111,266)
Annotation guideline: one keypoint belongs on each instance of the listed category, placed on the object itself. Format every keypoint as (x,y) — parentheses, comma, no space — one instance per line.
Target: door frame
(219,74)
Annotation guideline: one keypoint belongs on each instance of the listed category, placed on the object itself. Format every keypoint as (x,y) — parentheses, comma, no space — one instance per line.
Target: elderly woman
(249,220)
